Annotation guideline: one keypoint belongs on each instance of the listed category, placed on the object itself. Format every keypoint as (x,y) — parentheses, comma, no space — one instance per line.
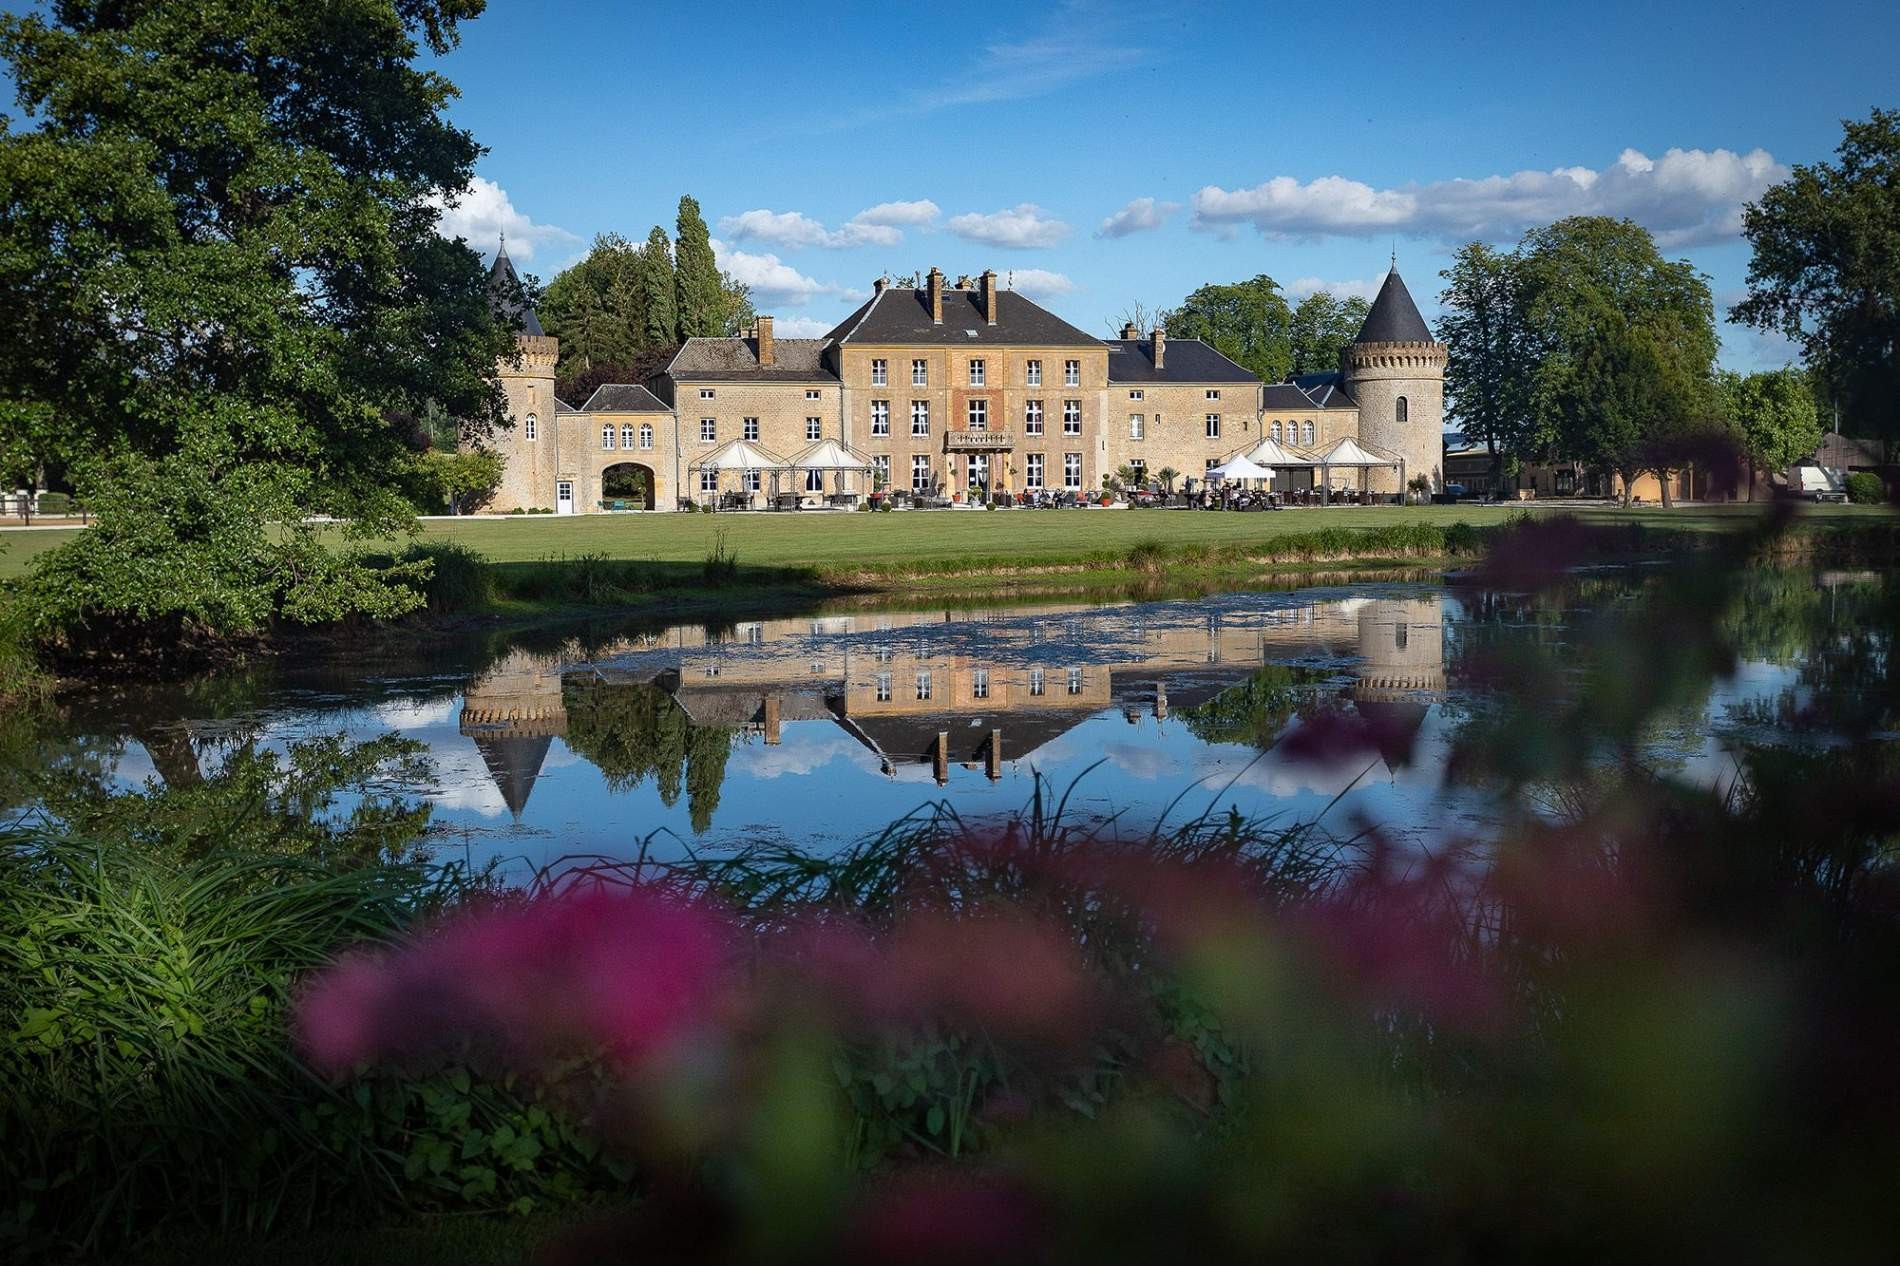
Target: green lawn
(833,541)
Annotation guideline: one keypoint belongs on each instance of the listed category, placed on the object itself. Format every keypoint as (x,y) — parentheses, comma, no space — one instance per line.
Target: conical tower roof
(514,762)
(1394,317)
(505,294)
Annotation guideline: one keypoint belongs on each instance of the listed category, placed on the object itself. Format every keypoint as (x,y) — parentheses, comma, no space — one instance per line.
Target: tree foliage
(1826,271)
(701,306)
(218,245)
(1324,325)
(1487,378)
(1772,416)
(1248,322)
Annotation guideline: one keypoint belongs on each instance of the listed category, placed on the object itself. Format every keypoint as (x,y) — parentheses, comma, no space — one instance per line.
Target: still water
(829,726)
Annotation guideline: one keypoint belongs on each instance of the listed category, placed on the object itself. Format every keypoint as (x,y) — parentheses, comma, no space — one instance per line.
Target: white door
(564,497)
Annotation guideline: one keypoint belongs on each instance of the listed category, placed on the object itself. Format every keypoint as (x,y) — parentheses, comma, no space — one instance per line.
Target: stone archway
(628,486)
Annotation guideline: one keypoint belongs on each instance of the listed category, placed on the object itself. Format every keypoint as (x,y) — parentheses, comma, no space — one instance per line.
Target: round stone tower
(1395,373)
(531,448)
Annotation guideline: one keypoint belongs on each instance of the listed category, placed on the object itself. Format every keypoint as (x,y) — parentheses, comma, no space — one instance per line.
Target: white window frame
(1072,470)
(1212,422)
(814,429)
(923,685)
(920,472)
(1038,681)
(880,417)
(709,480)
(1306,429)
(1275,431)
(978,415)
(1213,393)
(811,393)
(1072,417)
(920,417)
(528,428)
(1137,427)
(646,435)
(749,480)
(979,683)
(1032,373)
(1032,470)
(1072,373)
(1032,417)
(880,372)
(749,429)
(706,393)
(883,687)
(1075,681)
(881,468)
(920,373)
(708,430)
(978,372)
(1135,393)
(814,481)
(607,434)
(627,435)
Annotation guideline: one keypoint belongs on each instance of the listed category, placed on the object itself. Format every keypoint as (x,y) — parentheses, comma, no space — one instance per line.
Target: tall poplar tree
(701,305)
(660,326)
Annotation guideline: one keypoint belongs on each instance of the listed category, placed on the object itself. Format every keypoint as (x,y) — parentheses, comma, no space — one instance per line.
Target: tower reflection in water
(940,690)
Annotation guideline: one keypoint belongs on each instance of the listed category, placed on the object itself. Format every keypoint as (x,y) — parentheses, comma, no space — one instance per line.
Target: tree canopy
(218,248)
(1772,416)
(1248,322)
(1826,271)
(1323,325)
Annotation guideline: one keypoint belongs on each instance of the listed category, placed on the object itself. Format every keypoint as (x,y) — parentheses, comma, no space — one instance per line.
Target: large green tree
(1249,322)
(1826,271)
(1773,418)
(226,293)
(659,308)
(701,306)
(594,307)
(1322,326)
(1488,369)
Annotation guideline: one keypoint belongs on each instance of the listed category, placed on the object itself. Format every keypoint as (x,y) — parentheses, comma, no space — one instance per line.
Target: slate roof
(1394,317)
(505,296)
(621,397)
(1187,360)
(1318,391)
(730,359)
(902,316)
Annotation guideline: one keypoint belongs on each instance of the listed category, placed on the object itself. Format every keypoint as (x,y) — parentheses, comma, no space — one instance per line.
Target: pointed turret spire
(1394,317)
(505,293)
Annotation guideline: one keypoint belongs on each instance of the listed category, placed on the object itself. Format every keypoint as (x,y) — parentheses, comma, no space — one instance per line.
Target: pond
(826,726)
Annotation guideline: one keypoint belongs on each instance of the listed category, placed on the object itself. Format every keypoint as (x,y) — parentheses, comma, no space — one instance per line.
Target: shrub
(55,504)
(1864,488)
(459,579)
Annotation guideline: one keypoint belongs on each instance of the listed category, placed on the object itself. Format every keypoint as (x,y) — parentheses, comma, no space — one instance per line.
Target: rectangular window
(883,687)
(881,469)
(814,481)
(626,436)
(919,373)
(814,429)
(1075,681)
(752,429)
(979,415)
(880,417)
(1072,470)
(709,481)
(1072,373)
(1072,417)
(1306,430)
(1032,373)
(979,683)
(923,685)
(646,435)
(1135,394)
(1213,426)
(976,373)
(811,393)
(708,430)
(1137,427)
(1032,418)
(920,473)
(920,417)
(1034,477)
(1035,681)
(880,372)
(527,427)
(705,393)
(1213,394)
(749,480)
(607,437)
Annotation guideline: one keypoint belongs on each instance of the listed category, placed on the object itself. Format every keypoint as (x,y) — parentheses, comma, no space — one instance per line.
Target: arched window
(646,435)
(1307,435)
(1401,410)
(607,436)
(626,436)
(527,427)
(1276,432)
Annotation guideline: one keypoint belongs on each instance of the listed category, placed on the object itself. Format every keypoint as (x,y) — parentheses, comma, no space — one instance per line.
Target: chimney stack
(1161,344)
(877,287)
(989,295)
(1129,332)
(936,296)
(765,341)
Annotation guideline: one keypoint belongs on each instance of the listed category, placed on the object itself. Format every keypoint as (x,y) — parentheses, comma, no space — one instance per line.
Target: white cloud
(1686,198)
(1021,227)
(900,214)
(1038,283)
(1301,287)
(481,213)
(1141,214)
(880,225)
(800,327)
(772,281)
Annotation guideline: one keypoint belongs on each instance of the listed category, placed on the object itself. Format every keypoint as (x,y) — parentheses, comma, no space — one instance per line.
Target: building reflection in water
(972,689)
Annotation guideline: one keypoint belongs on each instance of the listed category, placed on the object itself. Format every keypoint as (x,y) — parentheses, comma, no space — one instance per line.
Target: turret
(1395,372)
(527,381)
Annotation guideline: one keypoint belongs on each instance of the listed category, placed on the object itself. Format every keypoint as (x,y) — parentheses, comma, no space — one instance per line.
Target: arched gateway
(626,486)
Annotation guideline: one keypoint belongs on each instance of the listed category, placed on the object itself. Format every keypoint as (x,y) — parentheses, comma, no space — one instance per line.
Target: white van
(1817,483)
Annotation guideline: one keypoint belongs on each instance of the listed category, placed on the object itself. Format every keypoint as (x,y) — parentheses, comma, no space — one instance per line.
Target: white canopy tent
(1238,468)
(1268,453)
(828,455)
(741,455)
(1350,453)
